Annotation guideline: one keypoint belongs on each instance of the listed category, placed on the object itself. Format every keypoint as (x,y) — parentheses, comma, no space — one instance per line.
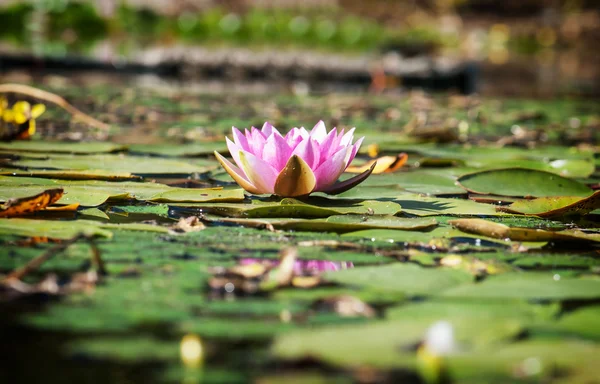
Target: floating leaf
(386,344)
(30,204)
(559,206)
(409,279)
(92,193)
(529,286)
(502,231)
(88,174)
(199,195)
(522,182)
(138,165)
(46,146)
(338,223)
(51,229)
(313,207)
(415,181)
(173,150)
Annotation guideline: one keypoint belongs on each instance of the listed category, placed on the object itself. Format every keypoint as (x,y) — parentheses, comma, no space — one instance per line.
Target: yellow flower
(22,116)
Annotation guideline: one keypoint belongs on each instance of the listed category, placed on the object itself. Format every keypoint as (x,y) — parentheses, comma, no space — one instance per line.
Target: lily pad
(313,207)
(138,165)
(386,344)
(502,231)
(409,279)
(88,174)
(338,223)
(45,146)
(522,182)
(90,193)
(530,286)
(51,229)
(559,206)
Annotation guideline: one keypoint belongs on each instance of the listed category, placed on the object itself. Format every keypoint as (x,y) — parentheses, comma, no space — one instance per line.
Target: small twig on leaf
(55,99)
(34,264)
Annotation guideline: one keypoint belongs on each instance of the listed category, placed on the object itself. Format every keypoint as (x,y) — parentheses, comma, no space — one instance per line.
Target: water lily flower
(297,164)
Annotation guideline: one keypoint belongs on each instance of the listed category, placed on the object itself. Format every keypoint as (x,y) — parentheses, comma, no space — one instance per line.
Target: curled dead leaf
(188,224)
(345,306)
(30,204)
(287,259)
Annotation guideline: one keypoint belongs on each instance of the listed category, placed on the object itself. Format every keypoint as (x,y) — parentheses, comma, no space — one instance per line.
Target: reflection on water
(305,267)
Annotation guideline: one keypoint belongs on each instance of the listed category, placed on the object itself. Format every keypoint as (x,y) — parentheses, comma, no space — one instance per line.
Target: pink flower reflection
(304,267)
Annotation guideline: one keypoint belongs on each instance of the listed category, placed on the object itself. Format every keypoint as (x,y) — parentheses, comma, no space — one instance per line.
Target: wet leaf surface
(522,182)
(559,207)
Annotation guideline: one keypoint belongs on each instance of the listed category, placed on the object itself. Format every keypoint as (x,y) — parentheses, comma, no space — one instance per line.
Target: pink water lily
(297,164)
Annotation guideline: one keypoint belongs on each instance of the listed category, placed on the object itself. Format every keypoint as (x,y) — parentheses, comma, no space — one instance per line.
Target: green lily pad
(88,174)
(385,344)
(501,231)
(51,229)
(180,150)
(314,207)
(581,322)
(339,223)
(90,193)
(138,165)
(559,206)
(530,286)
(409,279)
(62,147)
(522,182)
(416,181)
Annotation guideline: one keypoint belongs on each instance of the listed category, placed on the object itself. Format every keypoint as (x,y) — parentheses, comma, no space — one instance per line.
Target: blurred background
(525,48)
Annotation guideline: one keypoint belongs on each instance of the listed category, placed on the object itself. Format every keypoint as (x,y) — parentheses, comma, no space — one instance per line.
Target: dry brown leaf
(501,231)
(249,271)
(385,164)
(285,272)
(306,281)
(28,205)
(64,208)
(345,306)
(188,224)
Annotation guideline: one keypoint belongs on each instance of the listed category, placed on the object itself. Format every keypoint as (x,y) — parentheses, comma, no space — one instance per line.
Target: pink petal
(335,145)
(276,151)
(308,150)
(236,174)
(327,149)
(355,148)
(234,150)
(267,129)
(319,132)
(256,141)
(295,136)
(347,138)
(240,139)
(331,169)
(259,172)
